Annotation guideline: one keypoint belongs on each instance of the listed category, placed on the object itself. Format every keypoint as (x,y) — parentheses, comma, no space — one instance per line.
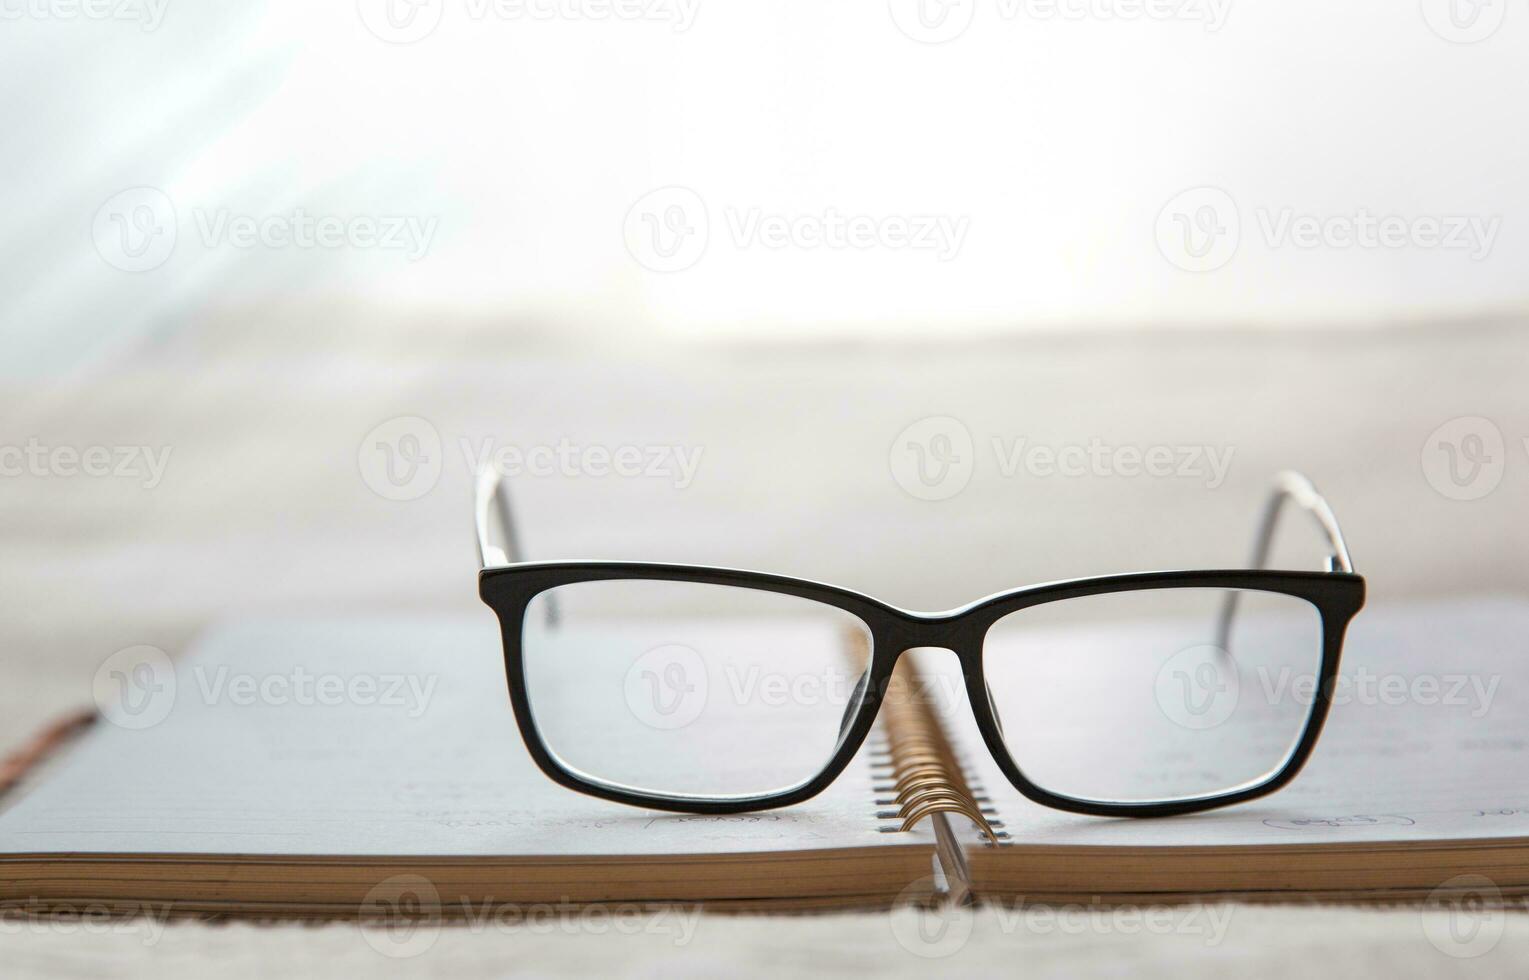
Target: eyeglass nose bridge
(956,633)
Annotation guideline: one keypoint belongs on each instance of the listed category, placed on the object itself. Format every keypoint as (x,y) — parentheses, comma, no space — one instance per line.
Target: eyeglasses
(712,690)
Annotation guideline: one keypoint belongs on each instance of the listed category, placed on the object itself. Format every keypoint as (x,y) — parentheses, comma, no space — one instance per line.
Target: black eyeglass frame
(508,585)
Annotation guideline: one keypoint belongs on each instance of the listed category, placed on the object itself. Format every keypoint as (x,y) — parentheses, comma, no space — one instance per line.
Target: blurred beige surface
(270,503)
(1256,941)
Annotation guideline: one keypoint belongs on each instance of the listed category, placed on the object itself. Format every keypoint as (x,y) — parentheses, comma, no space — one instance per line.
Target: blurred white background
(287,246)
(1037,141)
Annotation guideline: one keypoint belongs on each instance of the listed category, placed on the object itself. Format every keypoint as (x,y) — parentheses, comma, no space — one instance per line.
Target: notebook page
(423,759)
(1429,742)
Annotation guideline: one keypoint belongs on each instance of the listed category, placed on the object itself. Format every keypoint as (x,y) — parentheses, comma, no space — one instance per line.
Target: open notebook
(241,801)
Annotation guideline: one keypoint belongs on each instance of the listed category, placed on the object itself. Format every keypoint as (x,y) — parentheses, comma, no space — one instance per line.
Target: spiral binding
(917,770)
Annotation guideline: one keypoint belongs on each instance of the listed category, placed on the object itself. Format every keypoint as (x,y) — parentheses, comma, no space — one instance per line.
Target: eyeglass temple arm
(1297,489)
(498,543)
